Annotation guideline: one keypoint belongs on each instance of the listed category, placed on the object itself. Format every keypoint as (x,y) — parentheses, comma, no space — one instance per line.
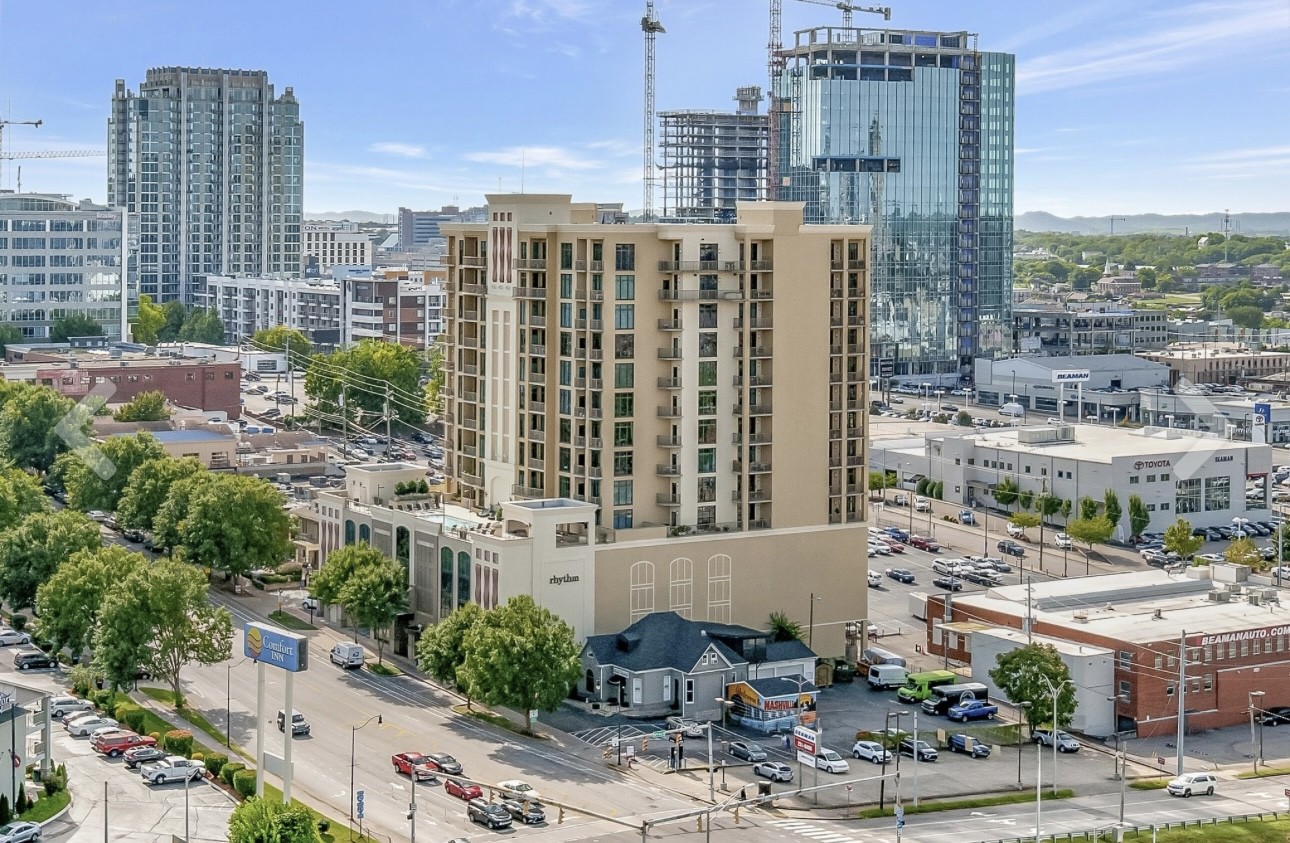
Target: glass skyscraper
(912,133)
(213,163)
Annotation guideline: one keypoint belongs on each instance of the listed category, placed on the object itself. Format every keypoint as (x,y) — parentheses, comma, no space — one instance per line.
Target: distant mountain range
(1251,224)
(351,216)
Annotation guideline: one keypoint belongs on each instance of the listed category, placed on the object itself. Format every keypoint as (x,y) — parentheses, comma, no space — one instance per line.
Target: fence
(1131,832)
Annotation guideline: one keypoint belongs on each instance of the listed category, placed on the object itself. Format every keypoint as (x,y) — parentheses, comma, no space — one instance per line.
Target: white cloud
(535,156)
(403,150)
(1187,35)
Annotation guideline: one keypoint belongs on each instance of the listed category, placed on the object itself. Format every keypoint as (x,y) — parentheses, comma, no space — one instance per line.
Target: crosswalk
(813,831)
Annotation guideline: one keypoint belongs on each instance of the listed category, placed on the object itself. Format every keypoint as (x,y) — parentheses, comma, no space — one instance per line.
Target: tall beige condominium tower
(703,378)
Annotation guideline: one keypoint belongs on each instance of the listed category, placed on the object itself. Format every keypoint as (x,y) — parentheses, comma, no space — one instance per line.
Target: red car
(896,547)
(114,744)
(924,543)
(462,790)
(413,763)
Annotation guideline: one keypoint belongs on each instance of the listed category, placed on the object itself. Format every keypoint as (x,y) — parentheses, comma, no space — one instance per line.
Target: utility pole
(389,443)
(1182,696)
(344,424)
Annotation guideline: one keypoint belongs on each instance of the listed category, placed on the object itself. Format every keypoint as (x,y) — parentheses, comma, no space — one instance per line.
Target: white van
(882,676)
(348,655)
(1012,409)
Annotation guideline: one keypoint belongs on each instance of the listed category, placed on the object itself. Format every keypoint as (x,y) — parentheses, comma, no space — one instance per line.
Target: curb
(60,814)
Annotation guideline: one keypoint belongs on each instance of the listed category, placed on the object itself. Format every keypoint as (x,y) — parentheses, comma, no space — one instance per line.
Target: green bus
(918,686)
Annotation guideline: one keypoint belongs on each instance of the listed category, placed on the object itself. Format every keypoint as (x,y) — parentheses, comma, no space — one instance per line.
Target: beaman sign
(266,643)
(1071,375)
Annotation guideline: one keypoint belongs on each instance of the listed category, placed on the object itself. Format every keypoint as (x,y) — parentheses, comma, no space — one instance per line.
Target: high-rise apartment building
(212,161)
(59,258)
(713,159)
(910,132)
(699,378)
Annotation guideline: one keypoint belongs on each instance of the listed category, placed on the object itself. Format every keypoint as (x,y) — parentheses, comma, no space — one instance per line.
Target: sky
(1123,106)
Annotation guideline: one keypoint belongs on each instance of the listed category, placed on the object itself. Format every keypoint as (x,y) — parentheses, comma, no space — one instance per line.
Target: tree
(1047,505)
(168,522)
(374,596)
(522,656)
(281,338)
(147,325)
(368,372)
(20,496)
(9,335)
(149,487)
(1088,508)
(1006,492)
(69,602)
(1021,675)
(435,381)
(1091,531)
(175,315)
(161,618)
(1178,539)
(261,820)
(1244,552)
(878,483)
(31,552)
(1066,511)
(963,419)
(1025,499)
(202,325)
(1025,520)
(144,407)
(340,566)
(442,648)
(1112,510)
(234,523)
(95,478)
(1245,316)
(784,628)
(1139,517)
(74,325)
(37,424)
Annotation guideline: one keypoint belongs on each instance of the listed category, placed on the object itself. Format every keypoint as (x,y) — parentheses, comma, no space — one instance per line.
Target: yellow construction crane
(848,8)
(651,27)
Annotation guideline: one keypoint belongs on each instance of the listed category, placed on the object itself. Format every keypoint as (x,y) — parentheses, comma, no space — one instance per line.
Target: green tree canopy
(20,496)
(74,325)
(176,313)
(37,424)
(282,338)
(202,325)
(168,522)
(9,335)
(95,478)
(374,596)
(1112,510)
(1178,539)
(69,602)
(1006,492)
(434,386)
(31,552)
(1091,531)
(265,820)
(1048,505)
(1246,315)
(149,487)
(1139,517)
(523,657)
(442,648)
(1027,674)
(364,370)
(1088,509)
(340,566)
(1025,520)
(144,407)
(147,325)
(878,482)
(1245,552)
(234,523)
(784,628)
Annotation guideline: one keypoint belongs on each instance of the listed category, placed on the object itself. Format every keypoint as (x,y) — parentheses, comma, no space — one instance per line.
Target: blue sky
(1124,106)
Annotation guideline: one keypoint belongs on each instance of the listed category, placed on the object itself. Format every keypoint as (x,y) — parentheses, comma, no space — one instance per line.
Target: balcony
(595,499)
(597,266)
(580,324)
(597,354)
(667,470)
(668,500)
(472,480)
(531,264)
(597,384)
(699,266)
(760,351)
(472,260)
(761,293)
(761,266)
(530,293)
(751,438)
(669,354)
(670,441)
(597,295)
(537,407)
(468,451)
(758,467)
(669,412)
(580,266)
(597,443)
(579,383)
(669,325)
(469,397)
(526,492)
(669,383)
(761,324)
(596,324)
(753,410)
(755,496)
(754,380)
(475,289)
(596,413)
(579,441)
(537,321)
(536,465)
(467,342)
(471,371)
(539,350)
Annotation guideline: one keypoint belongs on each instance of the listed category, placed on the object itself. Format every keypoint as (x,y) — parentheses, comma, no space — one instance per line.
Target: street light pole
(886,726)
(228,704)
(353,733)
(1024,706)
(1254,749)
(1054,691)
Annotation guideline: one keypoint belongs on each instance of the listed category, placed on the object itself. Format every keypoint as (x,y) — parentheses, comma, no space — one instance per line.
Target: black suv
(1011,548)
(32,661)
(529,813)
(488,813)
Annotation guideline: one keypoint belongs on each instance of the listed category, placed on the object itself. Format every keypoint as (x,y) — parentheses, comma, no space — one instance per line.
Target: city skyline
(1114,104)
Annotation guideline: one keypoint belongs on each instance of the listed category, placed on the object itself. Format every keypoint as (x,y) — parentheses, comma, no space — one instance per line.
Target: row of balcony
(851,433)
(851,348)
(852,321)
(751,438)
(753,380)
(838,266)
(850,518)
(714,295)
(852,292)
(849,377)
(762,323)
(853,461)
(716,266)
(852,489)
(582,383)
(753,409)
(756,351)
(582,441)
(838,406)
(752,496)
(753,467)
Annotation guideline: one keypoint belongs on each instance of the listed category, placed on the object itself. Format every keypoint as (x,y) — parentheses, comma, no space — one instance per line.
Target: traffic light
(644,745)
(609,751)
(676,738)
(561,820)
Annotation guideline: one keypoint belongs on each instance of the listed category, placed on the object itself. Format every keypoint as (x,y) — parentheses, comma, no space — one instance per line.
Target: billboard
(1071,375)
(266,643)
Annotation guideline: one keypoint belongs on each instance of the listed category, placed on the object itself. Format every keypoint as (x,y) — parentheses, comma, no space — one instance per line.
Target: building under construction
(713,159)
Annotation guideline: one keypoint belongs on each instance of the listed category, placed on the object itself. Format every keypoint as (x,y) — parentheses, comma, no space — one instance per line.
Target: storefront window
(1187,496)
(1218,493)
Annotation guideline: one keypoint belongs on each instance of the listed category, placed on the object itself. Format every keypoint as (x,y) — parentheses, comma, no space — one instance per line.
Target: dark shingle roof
(665,639)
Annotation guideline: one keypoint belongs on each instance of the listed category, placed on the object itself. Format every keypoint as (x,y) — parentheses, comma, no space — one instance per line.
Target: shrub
(291,569)
(22,802)
(423,487)
(19,622)
(82,678)
(215,762)
(56,781)
(229,770)
(103,699)
(199,756)
(400,488)
(156,736)
(6,814)
(244,783)
(324,825)
(179,742)
(135,719)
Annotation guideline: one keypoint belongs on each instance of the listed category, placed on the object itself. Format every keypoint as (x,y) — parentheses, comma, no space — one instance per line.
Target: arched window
(463,578)
(445,582)
(719,588)
(365,534)
(349,532)
(681,586)
(642,590)
(403,552)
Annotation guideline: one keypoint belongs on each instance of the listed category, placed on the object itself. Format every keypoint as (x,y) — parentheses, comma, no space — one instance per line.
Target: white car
(922,504)
(20,832)
(82,726)
(519,790)
(871,751)
(1064,541)
(875,579)
(1189,783)
(64,706)
(13,636)
(881,548)
(689,728)
(1015,531)
(830,762)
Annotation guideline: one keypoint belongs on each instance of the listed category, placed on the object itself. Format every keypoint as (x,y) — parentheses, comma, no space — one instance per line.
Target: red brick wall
(206,386)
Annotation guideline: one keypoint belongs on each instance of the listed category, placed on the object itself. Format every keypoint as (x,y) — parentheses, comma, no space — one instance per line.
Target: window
(625,287)
(707,460)
(707,487)
(641,595)
(624,317)
(707,315)
(1164,478)
(707,431)
(1218,493)
(1170,688)
(1209,681)
(566,314)
(624,404)
(566,256)
(622,519)
(1159,661)
(566,286)
(622,434)
(622,493)
(625,257)
(624,346)
(689,690)
(1126,659)
(1133,480)
(708,402)
(1187,496)
(707,373)
(719,588)
(708,345)
(622,463)
(1126,690)
(681,582)
(624,376)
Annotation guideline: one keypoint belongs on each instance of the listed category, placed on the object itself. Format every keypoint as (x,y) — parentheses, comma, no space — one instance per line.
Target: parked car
(1010,548)
(972,710)
(776,771)
(33,660)
(1275,716)
(901,500)
(1045,737)
(1015,531)
(966,517)
(174,768)
(1189,783)
(19,832)
(830,762)
(926,752)
(969,745)
(518,789)
(746,750)
(62,706)
(444,762)
(82,726)
(870,751)
(901,575)
(922,504)
(116,742)
(143,755)
(983,577)
(687,727)
(527,812)
(874,578)
(893,545)
(488,813)
(462,790)
(924,543)
(897,534)
(13,636)
(949,583)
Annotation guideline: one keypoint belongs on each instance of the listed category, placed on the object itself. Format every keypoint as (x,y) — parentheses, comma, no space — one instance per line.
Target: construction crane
(651,27)
(3,123)
(774,69)
(50,153)
(848,8)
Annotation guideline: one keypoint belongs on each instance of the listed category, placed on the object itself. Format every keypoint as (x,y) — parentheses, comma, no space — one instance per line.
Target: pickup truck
(413,764)
(1045,737)
(969,745)
(114,744)
(972,710)
(175,768)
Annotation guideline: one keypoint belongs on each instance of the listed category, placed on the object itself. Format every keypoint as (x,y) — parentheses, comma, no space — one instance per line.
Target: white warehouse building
(1177,473)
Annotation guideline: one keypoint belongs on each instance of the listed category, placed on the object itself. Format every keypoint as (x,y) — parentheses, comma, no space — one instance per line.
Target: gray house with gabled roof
(666,664)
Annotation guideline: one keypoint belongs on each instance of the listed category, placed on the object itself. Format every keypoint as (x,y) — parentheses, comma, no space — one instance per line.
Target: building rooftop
(1206,351)
(190,436)
(1100,443)
(1091,362)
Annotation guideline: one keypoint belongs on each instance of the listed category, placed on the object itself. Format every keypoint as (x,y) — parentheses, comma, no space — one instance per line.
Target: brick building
(1237,634)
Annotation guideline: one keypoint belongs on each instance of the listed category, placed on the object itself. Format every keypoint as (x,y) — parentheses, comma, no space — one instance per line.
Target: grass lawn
(167,696)
(339,831)
(956,804)
(382,669)
(1273,831)
(1150,784)
(495,719)
(286,620)
(46,807)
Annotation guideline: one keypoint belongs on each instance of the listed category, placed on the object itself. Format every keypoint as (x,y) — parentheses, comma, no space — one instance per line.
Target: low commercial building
(1096,387)
(1057,330)
(211,448)
(330,244)
(1177,473)
(1196,362)
(1232,632)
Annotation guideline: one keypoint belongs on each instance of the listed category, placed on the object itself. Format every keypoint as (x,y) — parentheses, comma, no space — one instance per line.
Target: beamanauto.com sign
(1244,635)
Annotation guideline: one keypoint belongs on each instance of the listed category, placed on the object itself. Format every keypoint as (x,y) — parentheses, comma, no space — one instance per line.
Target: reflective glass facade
(911,132)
